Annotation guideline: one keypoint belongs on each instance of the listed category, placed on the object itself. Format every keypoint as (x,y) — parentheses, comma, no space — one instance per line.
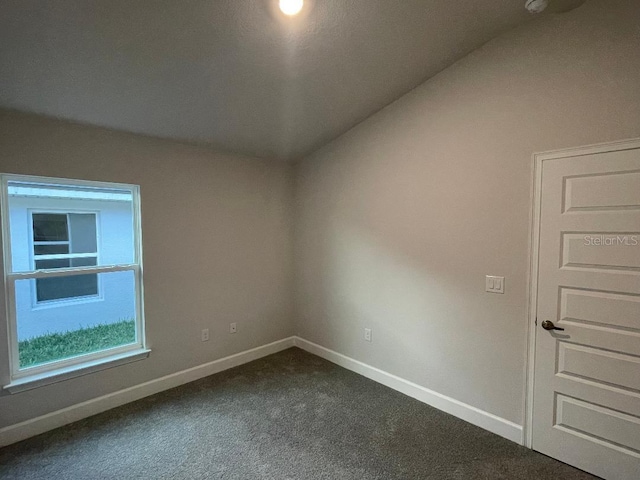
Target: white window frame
(37,304)
(31,377)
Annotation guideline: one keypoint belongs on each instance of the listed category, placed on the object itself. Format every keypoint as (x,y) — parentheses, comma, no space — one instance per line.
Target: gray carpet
(288,416)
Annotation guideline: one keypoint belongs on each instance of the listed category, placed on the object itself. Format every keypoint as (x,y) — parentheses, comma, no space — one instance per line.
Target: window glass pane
(70,329)
(84,262)
(58,288)
(45,264)
(49,227)
(79,313)
(51,249)
(82,228)
(58,215)
(116,245)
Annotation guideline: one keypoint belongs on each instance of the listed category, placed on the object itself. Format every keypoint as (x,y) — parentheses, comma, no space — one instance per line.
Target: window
(73,274)
(63,240)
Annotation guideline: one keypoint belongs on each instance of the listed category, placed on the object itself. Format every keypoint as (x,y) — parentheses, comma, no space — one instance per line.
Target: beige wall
(216,240)
(398,221)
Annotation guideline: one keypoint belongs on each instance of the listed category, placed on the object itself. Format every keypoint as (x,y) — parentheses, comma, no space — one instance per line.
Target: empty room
(320,239)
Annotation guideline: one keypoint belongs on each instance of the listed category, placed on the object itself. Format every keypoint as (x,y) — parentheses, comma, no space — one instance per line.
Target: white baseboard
(38,425)
(473,415)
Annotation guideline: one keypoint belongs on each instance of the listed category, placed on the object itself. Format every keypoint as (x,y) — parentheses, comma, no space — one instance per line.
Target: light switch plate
(494,284)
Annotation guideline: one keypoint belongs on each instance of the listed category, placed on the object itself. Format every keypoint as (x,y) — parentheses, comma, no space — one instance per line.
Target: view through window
(63,240)
(73,271)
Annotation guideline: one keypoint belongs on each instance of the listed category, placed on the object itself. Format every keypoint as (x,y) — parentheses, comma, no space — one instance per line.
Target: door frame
(534,244)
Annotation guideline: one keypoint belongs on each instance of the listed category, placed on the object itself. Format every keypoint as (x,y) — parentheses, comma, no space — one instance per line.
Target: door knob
(548,325)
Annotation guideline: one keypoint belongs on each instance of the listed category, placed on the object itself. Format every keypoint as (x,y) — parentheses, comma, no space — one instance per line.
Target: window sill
(62,374)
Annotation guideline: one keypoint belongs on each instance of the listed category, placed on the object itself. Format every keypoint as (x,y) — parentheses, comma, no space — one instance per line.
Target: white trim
(10,278)
(473,415)
(38,425)
(20,191)
(75,366)
(70,271)
(594,149)
(65,256)
(137,258)
(34,379)
(64,302)
(532,301)
(8,287)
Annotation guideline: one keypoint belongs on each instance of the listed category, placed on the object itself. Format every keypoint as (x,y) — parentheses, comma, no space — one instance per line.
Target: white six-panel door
(586,395)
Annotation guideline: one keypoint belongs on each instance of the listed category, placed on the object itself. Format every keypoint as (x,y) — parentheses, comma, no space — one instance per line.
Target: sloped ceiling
(236,74)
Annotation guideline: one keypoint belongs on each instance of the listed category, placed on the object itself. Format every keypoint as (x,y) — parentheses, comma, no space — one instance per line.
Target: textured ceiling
(233,73)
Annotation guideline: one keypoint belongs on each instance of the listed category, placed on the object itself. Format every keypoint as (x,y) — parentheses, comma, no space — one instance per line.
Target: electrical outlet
(367,334)
(205,335)
(233,327)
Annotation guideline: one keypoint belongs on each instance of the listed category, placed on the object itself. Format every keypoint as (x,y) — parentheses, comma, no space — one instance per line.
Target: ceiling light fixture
(291,7)
(536,6)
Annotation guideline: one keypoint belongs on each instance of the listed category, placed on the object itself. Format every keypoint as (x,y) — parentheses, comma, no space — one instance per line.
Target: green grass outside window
(58,346)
